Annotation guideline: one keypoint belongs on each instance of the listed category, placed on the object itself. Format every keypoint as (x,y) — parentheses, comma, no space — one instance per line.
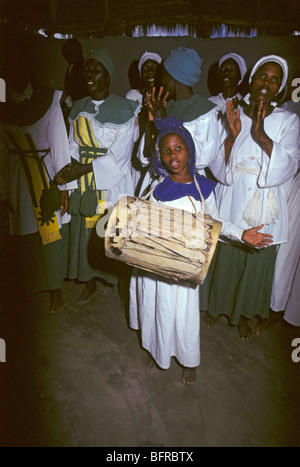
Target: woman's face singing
(266,82)
(148,71)
(229,74)
(96,78)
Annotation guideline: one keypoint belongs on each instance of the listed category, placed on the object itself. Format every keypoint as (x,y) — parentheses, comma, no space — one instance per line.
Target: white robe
(167,312)
(286,281)
(237,188)
(134,95)
(220,101)
(48,132)
(112,171)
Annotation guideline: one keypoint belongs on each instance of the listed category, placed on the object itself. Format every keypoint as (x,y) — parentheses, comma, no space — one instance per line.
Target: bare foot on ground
(209,321)
(56,301)
(90,288)
(263,324)
(189,375)
(244,329)
(148,363)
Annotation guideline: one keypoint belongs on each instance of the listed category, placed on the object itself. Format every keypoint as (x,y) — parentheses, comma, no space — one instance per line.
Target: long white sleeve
(283,163)
(110,169)
(228,229)
(205,133)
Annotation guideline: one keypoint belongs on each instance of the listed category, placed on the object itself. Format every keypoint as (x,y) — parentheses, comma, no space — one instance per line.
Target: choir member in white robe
(257,159)
(231,72)
(103,127)
(32,153)
(146,68)
(285,298)
(167,312)
(179,72)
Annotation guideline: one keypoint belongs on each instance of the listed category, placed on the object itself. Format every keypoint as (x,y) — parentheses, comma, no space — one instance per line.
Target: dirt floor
(76,379)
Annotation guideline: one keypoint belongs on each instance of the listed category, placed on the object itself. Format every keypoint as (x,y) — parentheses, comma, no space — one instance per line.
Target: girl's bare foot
(189,375)
(209,321)
(148,363)
(56,301)
(244,329)
(90,288)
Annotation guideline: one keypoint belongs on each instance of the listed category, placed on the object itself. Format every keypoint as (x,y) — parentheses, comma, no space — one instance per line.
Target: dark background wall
(50,66)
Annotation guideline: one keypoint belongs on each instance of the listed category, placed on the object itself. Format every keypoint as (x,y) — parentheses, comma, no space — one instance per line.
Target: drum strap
(147,195)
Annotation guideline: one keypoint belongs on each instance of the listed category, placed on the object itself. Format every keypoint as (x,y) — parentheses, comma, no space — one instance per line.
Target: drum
(170,242)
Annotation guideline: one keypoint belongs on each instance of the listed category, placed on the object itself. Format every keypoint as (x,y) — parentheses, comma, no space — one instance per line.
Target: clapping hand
(258,131)
(234,119)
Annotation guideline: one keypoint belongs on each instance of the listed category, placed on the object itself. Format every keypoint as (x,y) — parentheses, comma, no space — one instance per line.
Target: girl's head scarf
(168,190)
(166,126)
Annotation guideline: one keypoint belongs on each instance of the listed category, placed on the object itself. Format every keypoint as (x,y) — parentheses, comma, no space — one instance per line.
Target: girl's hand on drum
(257,239)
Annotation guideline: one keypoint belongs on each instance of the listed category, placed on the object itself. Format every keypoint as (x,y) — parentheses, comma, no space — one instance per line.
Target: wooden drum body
(168,241)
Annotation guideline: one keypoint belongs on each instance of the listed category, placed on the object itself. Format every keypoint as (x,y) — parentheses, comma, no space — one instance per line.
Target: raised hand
(156,105)
(257,239)
(258,131)
(234,119)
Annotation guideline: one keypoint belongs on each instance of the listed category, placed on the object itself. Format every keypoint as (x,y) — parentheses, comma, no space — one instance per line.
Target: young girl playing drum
(167,312)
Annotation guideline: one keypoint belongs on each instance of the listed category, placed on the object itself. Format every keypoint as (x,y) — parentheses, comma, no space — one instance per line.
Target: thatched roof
(99,18)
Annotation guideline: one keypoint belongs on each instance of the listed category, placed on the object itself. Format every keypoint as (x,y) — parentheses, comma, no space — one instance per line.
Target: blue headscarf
(168,190)
(184,65)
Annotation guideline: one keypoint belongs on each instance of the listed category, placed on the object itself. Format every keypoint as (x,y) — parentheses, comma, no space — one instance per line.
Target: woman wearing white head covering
(231,72)
(270,59)
(256,162)
(147,67)
(180,72)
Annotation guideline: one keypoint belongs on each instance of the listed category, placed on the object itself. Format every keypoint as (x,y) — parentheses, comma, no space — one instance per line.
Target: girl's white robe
(167,312)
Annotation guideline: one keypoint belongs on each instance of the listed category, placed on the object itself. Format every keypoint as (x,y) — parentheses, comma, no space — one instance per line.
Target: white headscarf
(272,58)
(239,60)
(148,56)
